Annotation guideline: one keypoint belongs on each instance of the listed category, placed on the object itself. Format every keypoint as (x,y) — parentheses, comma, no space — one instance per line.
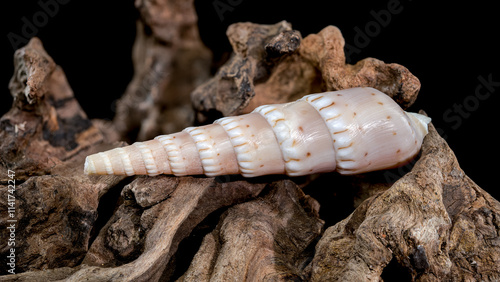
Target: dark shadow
(395,272)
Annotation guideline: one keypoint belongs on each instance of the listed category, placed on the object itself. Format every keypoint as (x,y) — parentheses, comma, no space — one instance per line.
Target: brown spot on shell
(278,120)
(242,144)
(301,129)
(269,111)
(333,103)
(342,131)
(380,103)
(398,151)
(308,154)
(334,117)
(388,117)
(317,98)
(345,147)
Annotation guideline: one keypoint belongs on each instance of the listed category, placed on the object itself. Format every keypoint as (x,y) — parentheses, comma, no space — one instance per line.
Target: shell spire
(349,131)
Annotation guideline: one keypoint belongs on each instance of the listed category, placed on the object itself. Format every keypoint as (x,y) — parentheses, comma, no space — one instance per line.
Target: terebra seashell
(349,131)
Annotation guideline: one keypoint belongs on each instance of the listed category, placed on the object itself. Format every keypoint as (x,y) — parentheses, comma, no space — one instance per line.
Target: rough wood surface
(427,222)
(45,125)
(169,62)
(434,222)
(45,137)
(260,240)
(273,64)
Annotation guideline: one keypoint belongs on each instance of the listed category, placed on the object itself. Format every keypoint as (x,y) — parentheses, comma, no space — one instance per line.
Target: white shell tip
(89,167)
(421,121)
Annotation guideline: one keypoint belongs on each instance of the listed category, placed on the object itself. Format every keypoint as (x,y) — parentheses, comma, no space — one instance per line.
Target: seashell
(349,131)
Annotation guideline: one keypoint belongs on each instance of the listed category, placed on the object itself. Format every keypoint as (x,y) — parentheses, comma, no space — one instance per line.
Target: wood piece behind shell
(350,131)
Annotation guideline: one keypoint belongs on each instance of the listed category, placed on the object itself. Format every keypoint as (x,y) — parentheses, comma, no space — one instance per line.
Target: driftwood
(169,62)
(273,64)
(45,137)
(435,223)
(427,221)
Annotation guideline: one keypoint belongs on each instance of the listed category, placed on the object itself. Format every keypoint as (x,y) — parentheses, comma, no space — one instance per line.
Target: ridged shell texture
(350,131)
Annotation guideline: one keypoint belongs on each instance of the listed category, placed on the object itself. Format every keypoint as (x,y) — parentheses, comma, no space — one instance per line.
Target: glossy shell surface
(349,131)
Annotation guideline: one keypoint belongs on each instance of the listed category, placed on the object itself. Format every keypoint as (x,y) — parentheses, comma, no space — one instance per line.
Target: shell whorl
(350,131)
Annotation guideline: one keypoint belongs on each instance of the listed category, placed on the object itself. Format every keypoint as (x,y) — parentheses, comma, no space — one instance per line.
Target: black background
(447,46)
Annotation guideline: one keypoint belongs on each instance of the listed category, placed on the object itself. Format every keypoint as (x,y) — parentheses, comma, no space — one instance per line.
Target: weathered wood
(434,222)
(45,137)
(427,219)
(141,241)
(169,62)
(264,239)
(272,64)
(45,126)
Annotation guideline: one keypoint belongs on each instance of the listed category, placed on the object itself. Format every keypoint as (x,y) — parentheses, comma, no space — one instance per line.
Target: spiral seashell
(349,131)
